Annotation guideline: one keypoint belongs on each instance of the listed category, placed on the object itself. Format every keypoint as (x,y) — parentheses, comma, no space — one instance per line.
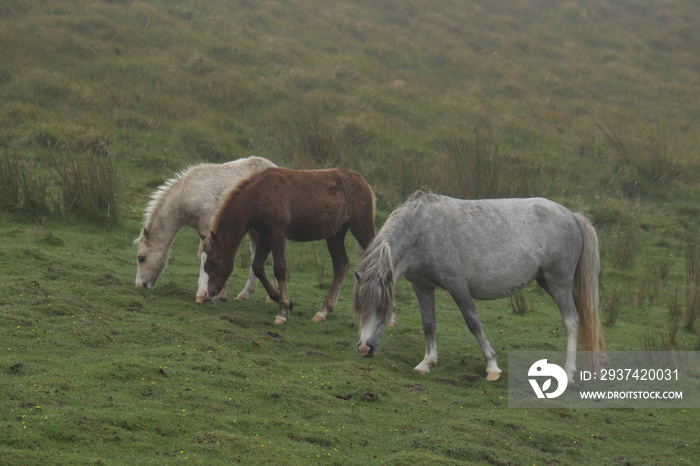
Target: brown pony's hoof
(280,320)
(391,324)
(199,300)
(493,376)
(318,318)
(241,296)
(270,300)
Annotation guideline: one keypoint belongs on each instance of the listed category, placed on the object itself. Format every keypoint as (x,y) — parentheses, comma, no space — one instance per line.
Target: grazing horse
(485,249)
(301,205)
(189,199)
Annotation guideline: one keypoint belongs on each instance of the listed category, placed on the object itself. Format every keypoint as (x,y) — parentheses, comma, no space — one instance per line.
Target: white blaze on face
(139,275)
(372,328)
(202,287)
(148,272)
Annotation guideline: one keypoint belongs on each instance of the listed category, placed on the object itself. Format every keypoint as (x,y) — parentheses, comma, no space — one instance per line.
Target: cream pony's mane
(160,195)
(157,200)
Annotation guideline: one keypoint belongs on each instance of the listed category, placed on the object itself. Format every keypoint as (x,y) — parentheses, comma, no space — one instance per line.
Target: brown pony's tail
(586,297)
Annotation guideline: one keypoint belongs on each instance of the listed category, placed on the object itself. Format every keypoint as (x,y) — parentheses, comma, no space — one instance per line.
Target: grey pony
(485,250)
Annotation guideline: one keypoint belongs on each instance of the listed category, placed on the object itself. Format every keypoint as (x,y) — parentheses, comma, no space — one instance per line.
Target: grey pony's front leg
(426,300)
(459,291)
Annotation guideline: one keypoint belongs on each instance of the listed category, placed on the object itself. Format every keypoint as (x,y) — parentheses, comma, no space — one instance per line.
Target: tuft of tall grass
(313,141)
(666,340)
(644,166)
(692,286)
(34,199)
(10,187)
(477,170)
(89,186)
(611,308)
(519,304)
(658,341)
(624,249)
(653,283)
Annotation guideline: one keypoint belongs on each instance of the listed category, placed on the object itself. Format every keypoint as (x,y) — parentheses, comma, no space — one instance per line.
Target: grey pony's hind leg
(559,286)
(426,300)
(460,293)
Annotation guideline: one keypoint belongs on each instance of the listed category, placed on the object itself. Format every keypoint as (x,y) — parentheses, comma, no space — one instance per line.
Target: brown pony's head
(218,263)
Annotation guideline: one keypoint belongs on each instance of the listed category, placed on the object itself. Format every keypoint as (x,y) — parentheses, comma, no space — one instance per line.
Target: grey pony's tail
(586,297)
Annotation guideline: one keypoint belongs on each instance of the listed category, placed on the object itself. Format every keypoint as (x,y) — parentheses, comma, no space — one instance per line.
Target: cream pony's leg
(252,282)
(203,280)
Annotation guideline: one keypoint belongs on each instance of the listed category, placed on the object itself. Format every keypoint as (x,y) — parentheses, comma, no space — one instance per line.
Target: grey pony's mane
(373,293)
(158,199)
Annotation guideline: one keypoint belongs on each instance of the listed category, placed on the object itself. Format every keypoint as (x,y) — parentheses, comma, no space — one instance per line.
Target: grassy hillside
(594,104)
(589,97)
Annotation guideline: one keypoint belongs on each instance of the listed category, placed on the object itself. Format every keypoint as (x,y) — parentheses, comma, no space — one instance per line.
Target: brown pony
(277,204)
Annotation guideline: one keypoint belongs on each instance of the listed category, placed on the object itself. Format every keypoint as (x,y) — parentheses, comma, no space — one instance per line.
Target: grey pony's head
(373,295)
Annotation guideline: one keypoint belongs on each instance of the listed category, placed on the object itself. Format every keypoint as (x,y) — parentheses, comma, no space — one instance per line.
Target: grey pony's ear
(201,236)
(146,234)
(388,277)
(358,277)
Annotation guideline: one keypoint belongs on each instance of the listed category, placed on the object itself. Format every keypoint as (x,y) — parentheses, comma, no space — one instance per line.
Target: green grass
(97,370)
(592,104)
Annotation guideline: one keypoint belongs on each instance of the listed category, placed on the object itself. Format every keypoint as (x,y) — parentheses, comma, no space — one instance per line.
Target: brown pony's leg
(278,244)
(250,285)
(362,229)
(262,250)
(341,265)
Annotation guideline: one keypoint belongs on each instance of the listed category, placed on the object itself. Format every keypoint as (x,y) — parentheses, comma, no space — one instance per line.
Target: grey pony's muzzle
(365,350)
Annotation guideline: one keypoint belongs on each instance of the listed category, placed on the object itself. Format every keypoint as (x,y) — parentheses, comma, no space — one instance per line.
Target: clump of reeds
(89,186)
(23,189)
